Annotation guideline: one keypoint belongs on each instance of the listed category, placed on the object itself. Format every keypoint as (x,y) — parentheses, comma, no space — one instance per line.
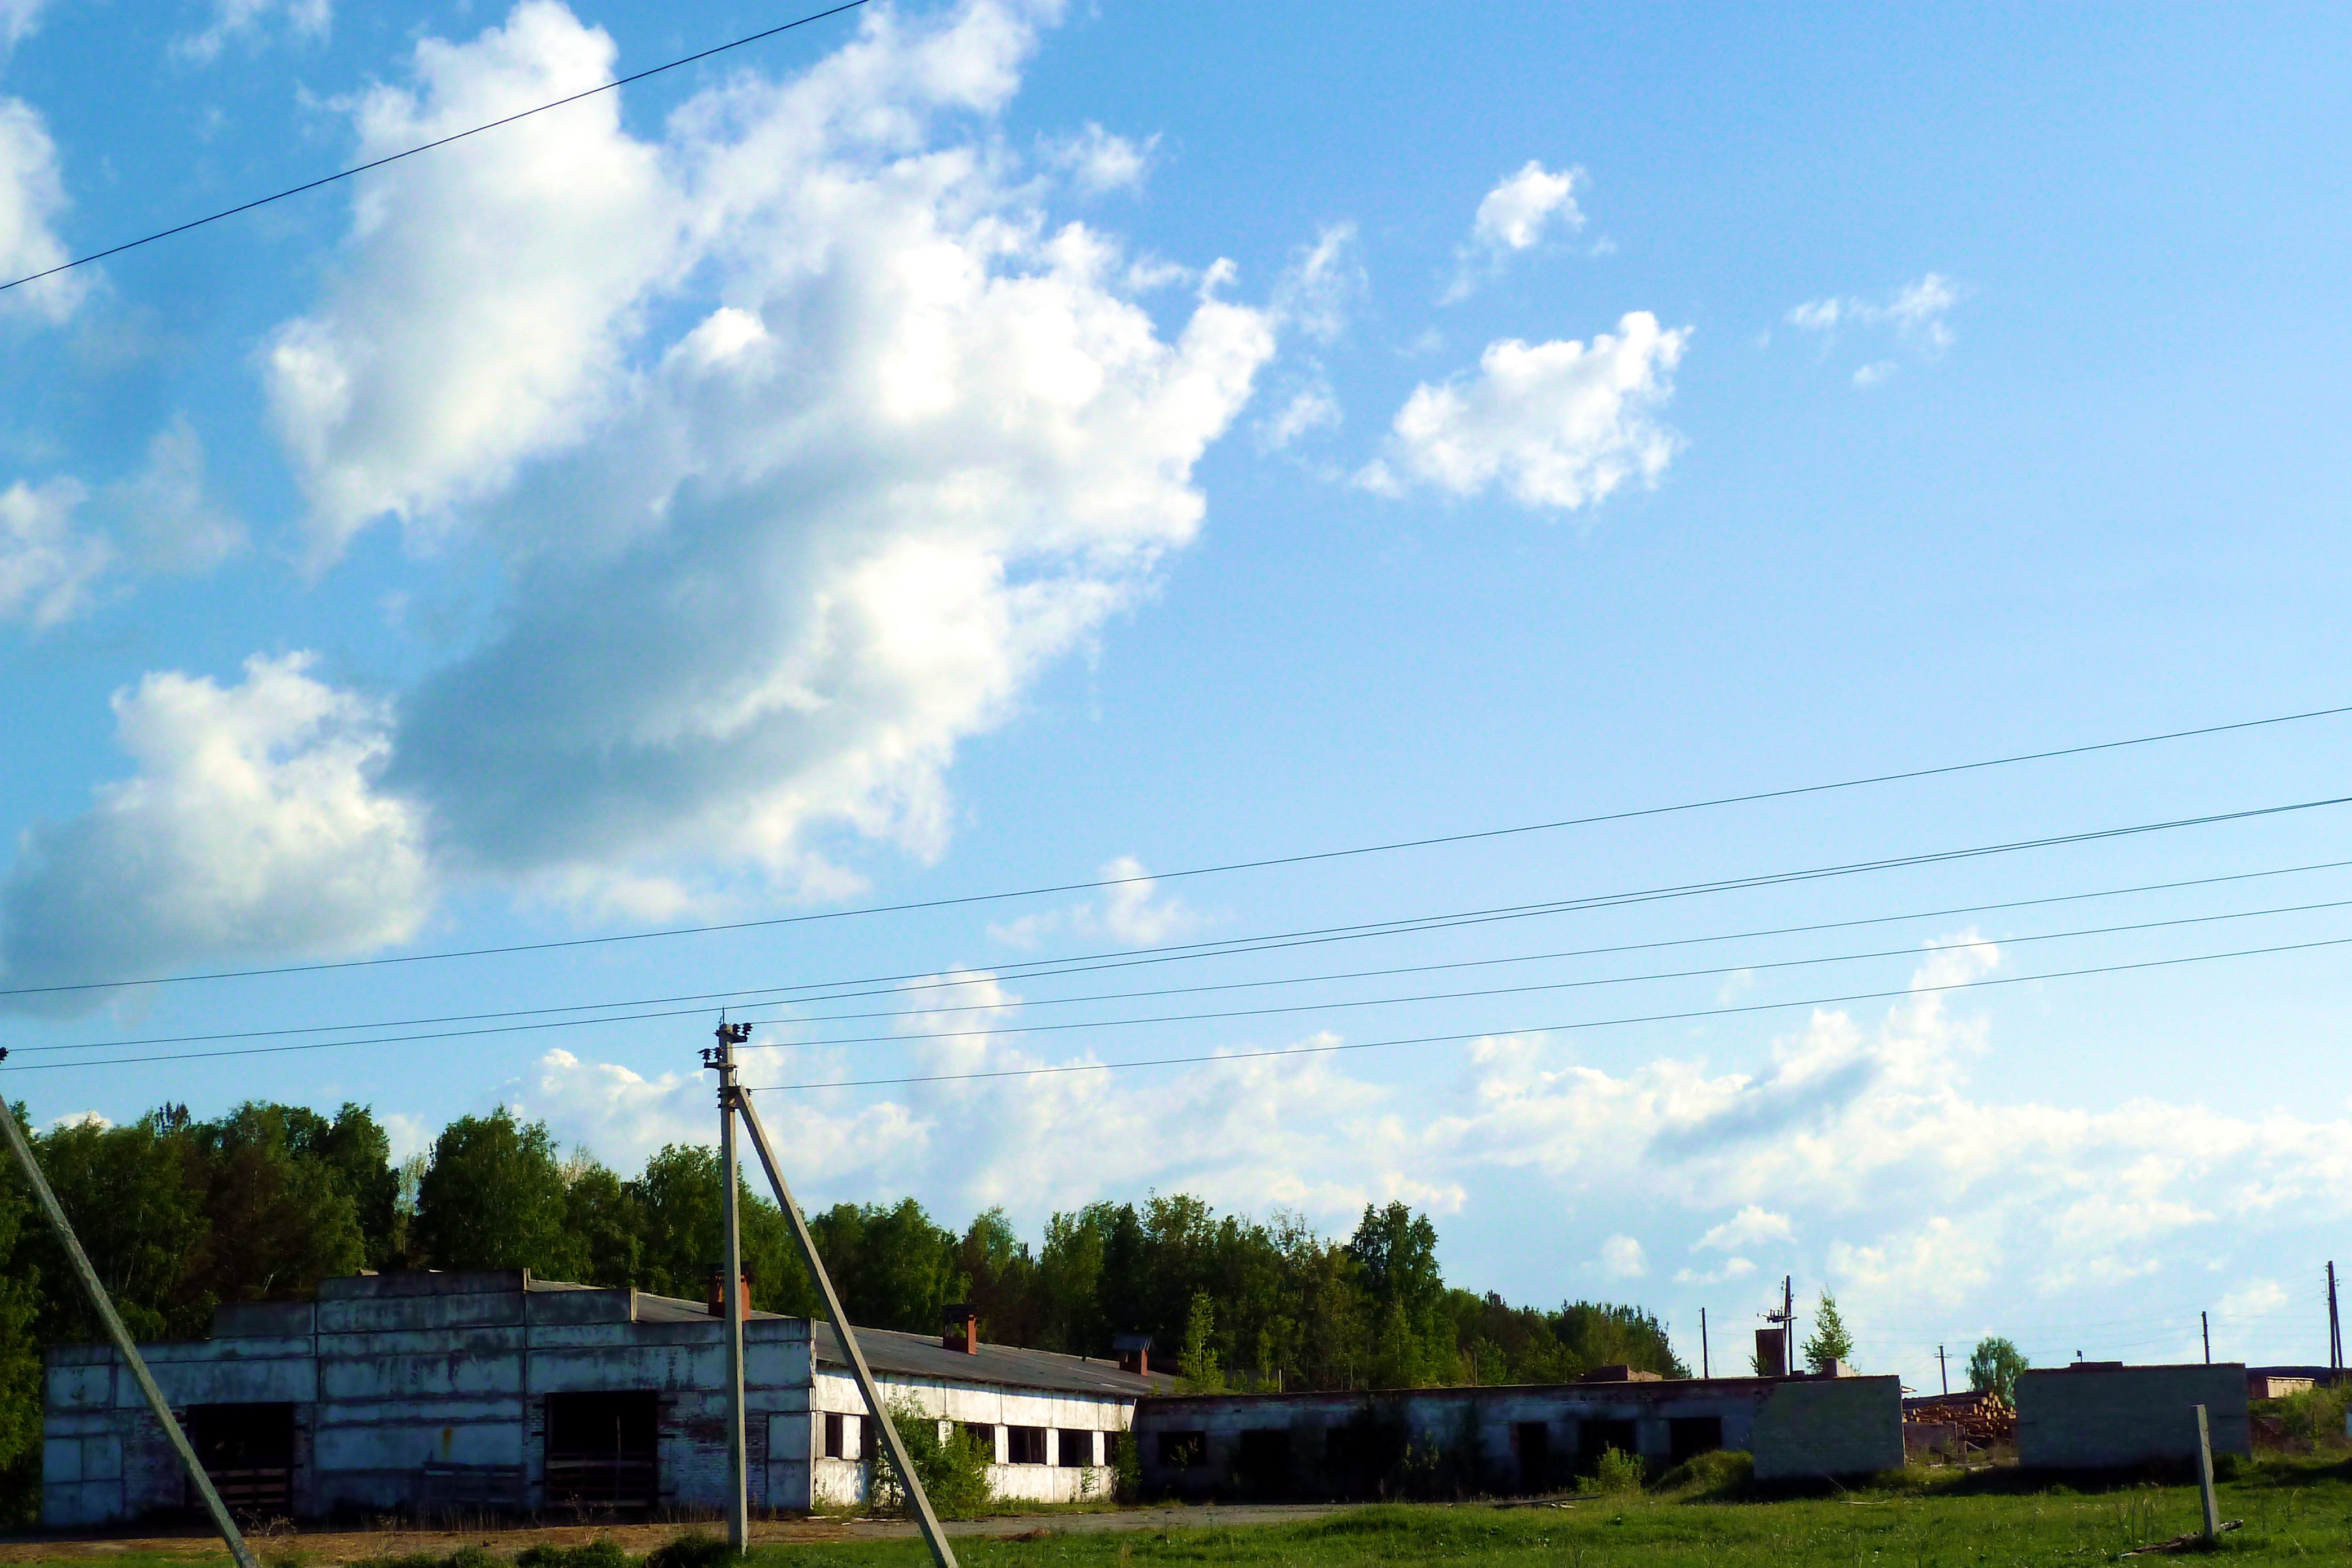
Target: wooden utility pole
(1943,1368)
(918,1503)
(1703,1369)
(103,1305)
(721,1060)
(2205,1327)
(2335,1330)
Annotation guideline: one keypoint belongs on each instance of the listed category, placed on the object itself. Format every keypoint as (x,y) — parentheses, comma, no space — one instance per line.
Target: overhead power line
(627,1010)
(1574,1026)
(1237,1056)
(339,174)
(1263,863)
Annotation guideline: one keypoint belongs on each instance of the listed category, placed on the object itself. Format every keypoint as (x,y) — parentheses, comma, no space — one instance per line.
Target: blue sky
(953,449)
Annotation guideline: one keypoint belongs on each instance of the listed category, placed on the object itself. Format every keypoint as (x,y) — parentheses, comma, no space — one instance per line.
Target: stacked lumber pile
(1981,1420)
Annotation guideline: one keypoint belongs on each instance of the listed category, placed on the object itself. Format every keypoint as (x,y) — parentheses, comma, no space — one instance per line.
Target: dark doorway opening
(247,1450)
(1594,1438)
(1262,1461)
(1532,1441)
(603,1450)
(1688,1437)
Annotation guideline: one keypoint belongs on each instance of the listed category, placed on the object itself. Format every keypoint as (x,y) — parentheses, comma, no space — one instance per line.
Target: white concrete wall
(841,1483)
(2112,1418)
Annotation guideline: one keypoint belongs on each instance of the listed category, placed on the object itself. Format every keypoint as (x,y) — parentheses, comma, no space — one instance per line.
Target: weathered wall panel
(2112,1418)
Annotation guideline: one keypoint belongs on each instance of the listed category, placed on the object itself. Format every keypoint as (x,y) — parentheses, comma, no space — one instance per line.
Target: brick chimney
(714,1297)
(1134,1352)
(959,1328)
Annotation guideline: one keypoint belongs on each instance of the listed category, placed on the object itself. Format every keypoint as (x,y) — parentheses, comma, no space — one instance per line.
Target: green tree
(1993,1367)
(607,1223)
(893,1268)
(1829,1343)
(20,1353)
(279,1215)
(675,1205)
(1199,1358)
(494,1198)
(135,1198)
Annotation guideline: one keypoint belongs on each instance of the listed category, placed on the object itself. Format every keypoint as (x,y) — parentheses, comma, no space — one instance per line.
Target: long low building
(1522,1439)
(420,1393)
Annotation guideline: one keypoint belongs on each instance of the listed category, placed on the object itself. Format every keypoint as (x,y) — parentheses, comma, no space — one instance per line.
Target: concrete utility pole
(721,1059)
(2205,1478)
(917,1503)
(103,1305)
(1943,1368)
(1703,1369)
(2334,1329)
(2205,1327)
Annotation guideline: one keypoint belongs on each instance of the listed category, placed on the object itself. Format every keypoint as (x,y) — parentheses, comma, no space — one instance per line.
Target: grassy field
(2292,1512)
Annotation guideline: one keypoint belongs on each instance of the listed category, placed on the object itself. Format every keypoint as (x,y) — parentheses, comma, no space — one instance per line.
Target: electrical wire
(1289,1051)
(1572,1025)
(1274,861)
(422,147)
(1587,982)
(830,991)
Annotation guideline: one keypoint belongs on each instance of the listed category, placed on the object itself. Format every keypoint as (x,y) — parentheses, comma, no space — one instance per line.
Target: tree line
(179,1214)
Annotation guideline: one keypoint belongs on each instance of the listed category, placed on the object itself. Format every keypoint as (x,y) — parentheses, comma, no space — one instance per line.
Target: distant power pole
(1705,1370)
(2334,1329)
(1943,1368)
(2205,1326)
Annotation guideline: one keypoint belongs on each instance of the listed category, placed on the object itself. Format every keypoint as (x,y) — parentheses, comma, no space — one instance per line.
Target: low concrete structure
(2105,1415)
(418,1393)
(1512,1439)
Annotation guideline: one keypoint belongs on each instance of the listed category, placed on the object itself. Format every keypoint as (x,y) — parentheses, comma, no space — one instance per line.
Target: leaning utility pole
(734,1098)
(730,1285)
(103,1306)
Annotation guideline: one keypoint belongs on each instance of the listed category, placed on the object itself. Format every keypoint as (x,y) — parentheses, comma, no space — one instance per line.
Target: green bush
(954,1473)
(695,1549)
(2316,1415)
(1618,1471)
(1124,1452)
(1724,1473)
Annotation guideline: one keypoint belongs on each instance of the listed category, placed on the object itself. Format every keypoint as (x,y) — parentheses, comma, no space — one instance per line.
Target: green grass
(2297,1513)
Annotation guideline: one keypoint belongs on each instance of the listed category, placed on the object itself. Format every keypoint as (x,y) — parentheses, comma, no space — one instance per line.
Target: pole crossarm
(895,1445)
(103,1305)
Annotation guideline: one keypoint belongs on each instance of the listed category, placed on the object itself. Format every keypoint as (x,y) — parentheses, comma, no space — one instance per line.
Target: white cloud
(32,195)
(1554,424)
(1913,313)
(251,828)
(162,515)
(766,570)
(246,19)
(1515,216)
(1622,1258)
(1099,161)
(1311,408)
(1322,283)
(1133,912)
(18,18)
(1751,1226)
(48,563)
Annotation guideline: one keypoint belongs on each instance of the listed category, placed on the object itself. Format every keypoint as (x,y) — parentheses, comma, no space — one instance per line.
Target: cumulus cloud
(1621,1258)
(1322,284)
(1751,1226)
(1558,425)
(915,441)
(49,562)
(1513,217)
(32,195)
(163,515)
(248,20)
(251,826)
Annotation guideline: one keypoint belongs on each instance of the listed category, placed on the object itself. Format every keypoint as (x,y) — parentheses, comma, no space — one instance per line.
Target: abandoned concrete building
(1525,1439)
(2105,1415)
(424,1392)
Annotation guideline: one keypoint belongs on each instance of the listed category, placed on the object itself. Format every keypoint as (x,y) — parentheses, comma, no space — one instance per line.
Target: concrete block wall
(2106,1416)
(1810,1427)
